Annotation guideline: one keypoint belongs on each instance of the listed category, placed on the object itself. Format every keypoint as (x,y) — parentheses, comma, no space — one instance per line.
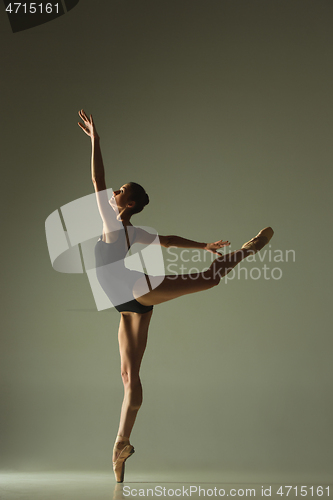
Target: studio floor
(102,486)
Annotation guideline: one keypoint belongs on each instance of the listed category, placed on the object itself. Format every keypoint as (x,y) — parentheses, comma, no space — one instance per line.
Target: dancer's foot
(259,241)
(119,464)
(120,443)
(121,452)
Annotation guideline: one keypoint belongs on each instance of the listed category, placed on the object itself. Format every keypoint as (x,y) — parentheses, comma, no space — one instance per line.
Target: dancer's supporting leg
(132,336)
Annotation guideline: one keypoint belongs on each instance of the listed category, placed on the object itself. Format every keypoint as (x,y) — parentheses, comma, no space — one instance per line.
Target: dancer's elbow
(166,241)
(99,183)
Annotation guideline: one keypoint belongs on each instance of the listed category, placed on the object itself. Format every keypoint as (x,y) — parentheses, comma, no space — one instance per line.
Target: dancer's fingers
(92,122)
(85,116)
(83,128)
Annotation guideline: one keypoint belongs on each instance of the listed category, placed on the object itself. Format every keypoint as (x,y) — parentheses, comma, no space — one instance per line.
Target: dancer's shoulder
(148,236)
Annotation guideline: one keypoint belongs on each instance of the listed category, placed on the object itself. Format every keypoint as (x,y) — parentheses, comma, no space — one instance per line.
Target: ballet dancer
(136,310)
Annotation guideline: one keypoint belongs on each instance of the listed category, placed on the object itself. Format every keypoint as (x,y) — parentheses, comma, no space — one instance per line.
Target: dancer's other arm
(179,242)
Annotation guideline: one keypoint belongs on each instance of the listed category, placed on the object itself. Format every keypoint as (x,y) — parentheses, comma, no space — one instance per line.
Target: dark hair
(139,196)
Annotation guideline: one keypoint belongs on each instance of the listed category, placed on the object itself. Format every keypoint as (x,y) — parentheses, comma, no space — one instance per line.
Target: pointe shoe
(259,241)
(119,464)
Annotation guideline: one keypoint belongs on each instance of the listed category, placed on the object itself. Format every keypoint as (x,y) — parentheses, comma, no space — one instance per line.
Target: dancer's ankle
(246,252)
(120,442)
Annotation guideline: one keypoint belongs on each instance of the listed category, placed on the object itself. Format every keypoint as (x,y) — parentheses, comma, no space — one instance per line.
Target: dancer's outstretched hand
(89,126)
(214,247)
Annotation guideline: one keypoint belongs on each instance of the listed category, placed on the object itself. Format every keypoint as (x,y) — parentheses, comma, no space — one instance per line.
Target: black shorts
(133,306)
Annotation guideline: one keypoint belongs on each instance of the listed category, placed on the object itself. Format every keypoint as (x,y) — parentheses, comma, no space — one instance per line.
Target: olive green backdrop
(223,111)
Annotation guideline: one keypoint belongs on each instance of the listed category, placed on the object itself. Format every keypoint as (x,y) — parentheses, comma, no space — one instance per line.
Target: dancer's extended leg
(183,284)
(174,286)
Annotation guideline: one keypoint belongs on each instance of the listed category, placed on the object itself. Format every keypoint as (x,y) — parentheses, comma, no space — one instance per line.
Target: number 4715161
(303,491)
(32,8)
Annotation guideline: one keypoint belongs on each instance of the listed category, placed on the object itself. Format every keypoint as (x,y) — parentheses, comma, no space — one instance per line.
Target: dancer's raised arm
(97,166)
(108,215)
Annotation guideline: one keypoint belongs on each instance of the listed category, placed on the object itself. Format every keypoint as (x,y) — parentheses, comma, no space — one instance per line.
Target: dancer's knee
(212,278)
(133,389)
(216,279)
(135,395)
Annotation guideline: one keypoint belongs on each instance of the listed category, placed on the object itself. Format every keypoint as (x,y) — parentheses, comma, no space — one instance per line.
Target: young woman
(131,292)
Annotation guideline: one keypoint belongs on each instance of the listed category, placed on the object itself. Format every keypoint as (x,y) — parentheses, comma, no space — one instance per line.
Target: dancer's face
(121,198)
